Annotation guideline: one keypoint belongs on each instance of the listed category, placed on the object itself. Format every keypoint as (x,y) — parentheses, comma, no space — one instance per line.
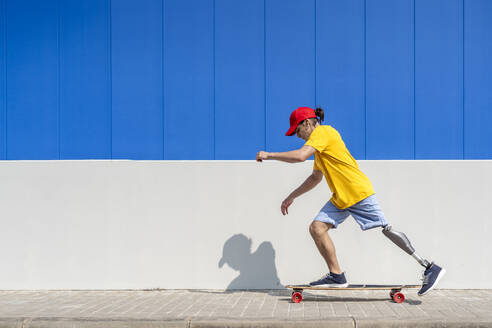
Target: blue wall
(217,79)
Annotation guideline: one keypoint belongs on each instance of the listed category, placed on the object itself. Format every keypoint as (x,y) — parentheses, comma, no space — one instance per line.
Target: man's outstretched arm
(293,156)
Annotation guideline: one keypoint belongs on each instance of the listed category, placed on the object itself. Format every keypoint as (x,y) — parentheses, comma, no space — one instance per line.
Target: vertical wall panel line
(58,41)
(110,22)
(364,82)
(463,76)
(264,78)
(315,57)
(163,104)
(214,120)
(414,94)
(4,3)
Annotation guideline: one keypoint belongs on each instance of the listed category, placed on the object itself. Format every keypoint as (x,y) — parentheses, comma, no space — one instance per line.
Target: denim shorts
(366,213)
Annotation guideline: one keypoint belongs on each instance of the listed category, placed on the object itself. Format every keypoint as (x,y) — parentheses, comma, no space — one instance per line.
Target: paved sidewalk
(269,308)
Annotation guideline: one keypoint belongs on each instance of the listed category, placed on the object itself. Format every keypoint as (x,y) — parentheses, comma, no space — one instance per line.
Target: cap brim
(291,131)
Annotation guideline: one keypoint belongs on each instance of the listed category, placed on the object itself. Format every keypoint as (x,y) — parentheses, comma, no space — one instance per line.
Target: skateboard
(395,294)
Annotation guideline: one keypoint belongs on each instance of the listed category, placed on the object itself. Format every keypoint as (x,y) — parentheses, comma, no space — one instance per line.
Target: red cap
(297,116)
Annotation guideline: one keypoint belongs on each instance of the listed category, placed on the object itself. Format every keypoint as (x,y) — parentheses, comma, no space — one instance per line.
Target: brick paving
(272,308)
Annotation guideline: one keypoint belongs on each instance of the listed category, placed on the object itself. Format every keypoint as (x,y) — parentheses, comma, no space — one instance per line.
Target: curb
(224,323)
(335,322)
(424,322)
(91,323)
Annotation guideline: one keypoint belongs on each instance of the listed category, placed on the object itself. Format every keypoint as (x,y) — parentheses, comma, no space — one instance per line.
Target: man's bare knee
(318,228)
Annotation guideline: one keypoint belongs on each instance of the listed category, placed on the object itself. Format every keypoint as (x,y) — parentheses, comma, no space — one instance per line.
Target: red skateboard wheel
(296,297)
(398,297)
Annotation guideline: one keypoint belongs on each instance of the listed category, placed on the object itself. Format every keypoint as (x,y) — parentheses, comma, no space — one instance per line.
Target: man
(353,194)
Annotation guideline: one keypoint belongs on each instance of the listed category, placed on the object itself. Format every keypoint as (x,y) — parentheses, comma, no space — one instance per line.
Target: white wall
(161,224)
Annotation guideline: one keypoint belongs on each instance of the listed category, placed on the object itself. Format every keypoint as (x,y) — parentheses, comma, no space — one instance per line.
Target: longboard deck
(353,287)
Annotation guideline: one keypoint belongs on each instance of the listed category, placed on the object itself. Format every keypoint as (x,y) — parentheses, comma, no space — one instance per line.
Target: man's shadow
(256,270)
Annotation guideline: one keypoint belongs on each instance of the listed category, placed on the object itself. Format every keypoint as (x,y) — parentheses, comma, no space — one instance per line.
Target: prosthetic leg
(402,241)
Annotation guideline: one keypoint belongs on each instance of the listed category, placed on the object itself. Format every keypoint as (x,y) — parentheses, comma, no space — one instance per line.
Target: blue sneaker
(432,275)
(331,280)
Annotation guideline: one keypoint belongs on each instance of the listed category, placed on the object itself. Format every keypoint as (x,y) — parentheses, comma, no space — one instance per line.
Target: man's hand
(285,205)
(262,155)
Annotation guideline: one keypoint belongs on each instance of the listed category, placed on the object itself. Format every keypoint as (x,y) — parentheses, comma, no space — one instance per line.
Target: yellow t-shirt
(347,183)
